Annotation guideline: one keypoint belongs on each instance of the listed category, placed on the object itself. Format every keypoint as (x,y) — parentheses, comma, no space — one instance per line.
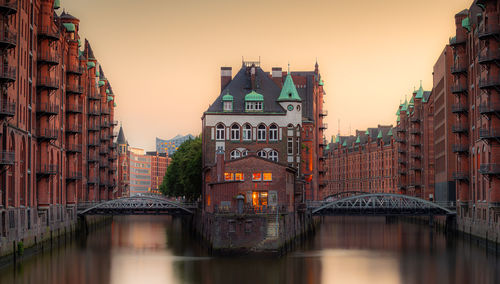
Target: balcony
(103,150)
(401,186)
(46,170)
(459,108)
(93,158)
(401,151)
(93,142)
(75,69)
(8,39)
(7,158)
(74,148)
(73,108)
(94,112)
(459,89)
(415,184)
(104,137)
(74,129)
(416,168)
(462,176)
(49,58)
(489,83)
(50,33)
(93,95)
(488,32)
(402,172)
(402,161)
(459,128)
(113,156)
(73,176)
(455,42)
(415,131)
(415,118)
(323,113)
(93,127)
(489,108)
(489,169)
(45,82)
(488,57)
(460,148)
(400,140)
(93,180)
(7,74)
(105,124)
(47,109)
(74,89)
(47,134)
(8,7)
(489,133)
(7,109)
(103,163)
(400,129)
(114,123)
(323,126)
(415,144)
(113,146)
(459,68)
(416,155)
(105,110)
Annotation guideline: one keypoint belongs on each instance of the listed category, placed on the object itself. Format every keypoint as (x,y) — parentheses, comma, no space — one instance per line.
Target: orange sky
(163,57)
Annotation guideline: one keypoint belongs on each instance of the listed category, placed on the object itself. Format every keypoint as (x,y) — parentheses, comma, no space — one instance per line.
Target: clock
(290,107)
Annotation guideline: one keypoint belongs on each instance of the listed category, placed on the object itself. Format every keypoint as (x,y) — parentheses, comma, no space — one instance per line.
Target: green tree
(183,176)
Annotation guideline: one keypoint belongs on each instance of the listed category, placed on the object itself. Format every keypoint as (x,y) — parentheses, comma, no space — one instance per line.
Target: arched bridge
(379,204)
(140,205)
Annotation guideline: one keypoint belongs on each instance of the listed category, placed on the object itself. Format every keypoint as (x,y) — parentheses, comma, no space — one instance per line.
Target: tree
(183,176)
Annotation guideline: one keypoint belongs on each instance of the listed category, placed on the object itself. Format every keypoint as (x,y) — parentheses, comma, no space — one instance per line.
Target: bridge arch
(339,195)
(381,204)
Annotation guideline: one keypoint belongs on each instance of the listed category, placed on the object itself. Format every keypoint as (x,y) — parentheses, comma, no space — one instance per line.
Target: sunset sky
(163,57)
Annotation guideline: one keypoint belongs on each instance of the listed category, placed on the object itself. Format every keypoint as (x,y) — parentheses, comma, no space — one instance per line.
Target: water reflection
(142,249)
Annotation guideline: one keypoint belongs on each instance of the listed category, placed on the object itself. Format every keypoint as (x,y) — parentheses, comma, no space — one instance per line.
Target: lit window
(261,132)
(273,132)
(235,132)
(228,176)
(220,132)
(268,176)
(235,154)
(239,176)
(273,156)
(256,176)
(262,154)
(247,132)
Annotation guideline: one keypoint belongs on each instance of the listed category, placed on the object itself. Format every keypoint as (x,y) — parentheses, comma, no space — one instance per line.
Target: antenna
(338,130)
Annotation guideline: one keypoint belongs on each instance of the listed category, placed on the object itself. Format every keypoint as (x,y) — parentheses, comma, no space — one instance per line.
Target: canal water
(155,249)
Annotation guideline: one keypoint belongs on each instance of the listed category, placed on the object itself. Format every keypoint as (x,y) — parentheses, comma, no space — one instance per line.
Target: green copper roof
(420,92)
(466,23)
(390,132)
(398,111)
(70,27)
(412,101)
(328,147)
(57,4)
(253,96)
(101,83)
(289,92)
(344,144)
(107,91)
(337,140)
(405,106)
(114,104)
(79,43)
(358,140)
(367,132)
(228,98)
(398,119)
(379,136)
(110,98)
(321,83)
(90,64)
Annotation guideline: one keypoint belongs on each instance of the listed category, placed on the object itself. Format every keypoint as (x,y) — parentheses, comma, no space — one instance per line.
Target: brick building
(123,164)
(476,86)
(56,122)
(159,165)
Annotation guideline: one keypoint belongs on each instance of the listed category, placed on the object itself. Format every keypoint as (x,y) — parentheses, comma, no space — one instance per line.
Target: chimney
(225,76)
(252,74)
(220,164)
(277,75)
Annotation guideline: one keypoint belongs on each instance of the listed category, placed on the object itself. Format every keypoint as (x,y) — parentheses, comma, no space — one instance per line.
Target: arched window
(273,155)
(235,132)
(273,133)
(261,132)
(247,132)
(235,154)
(262,154)
(220,132)
(244,153)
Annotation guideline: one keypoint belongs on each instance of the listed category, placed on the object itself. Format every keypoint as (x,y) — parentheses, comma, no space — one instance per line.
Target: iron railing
(7,158)
(7,109)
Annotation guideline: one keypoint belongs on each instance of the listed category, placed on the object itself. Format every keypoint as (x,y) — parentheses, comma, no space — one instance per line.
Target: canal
(155,249)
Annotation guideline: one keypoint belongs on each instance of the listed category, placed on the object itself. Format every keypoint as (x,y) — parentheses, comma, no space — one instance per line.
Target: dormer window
(227,102)
(254,102)
(253,106)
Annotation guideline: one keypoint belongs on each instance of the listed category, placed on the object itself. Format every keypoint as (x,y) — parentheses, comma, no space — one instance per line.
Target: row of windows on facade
(255,176)
(271,155)
(247,132)
(140,182)
(249,106)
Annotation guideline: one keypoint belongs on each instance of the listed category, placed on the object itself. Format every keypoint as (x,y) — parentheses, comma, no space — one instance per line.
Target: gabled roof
(88,50)
(427,95)
(121,137)
(65,15)
(289,92)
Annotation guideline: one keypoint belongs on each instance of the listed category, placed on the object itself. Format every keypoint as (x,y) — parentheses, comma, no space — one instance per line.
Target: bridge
(378,204)
(139,205)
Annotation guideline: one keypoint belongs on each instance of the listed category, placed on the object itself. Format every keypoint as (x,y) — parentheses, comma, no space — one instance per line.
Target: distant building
(159,164)
(140,172)
(170,146)
(123,164)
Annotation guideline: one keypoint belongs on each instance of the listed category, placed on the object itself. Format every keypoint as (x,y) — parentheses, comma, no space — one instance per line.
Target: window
(297,144)
(235,154)
(253,106)
(220,132)
(228,176)
(239,176)
(290,146)
(256,176)
(235,132)
(244,153)
(273,155)
(247,132)
(228,106)
(268,176)
(273,132)
(261,132)
(262,154)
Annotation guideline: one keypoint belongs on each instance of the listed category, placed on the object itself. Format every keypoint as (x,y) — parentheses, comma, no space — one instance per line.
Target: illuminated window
(239,176)
(228,176)
(256,176)
(268,176)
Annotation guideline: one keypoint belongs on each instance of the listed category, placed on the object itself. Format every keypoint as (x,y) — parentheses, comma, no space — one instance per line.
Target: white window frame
(273,132)
(228,106)
(220,129)
(247,132)
(262,154)
(235,154)
(273,155)
(261,132)
(235,132)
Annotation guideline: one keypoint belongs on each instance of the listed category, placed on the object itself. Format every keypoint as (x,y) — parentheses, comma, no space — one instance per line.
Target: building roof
(88,49)
(289,91)
(65,15)
(426,96)
(121,137)
(227,97)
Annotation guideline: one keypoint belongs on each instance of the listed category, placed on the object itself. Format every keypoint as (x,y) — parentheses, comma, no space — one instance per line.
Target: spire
(121,136)
(379,136)
(289,91)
